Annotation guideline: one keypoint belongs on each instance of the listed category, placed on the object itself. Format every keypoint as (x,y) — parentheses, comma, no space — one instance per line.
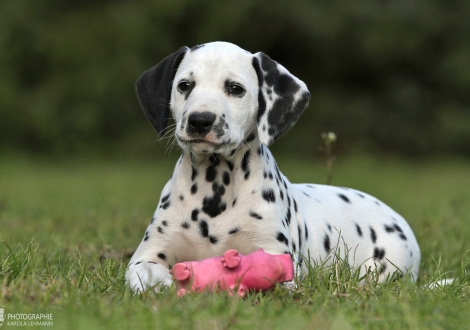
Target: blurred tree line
(389,75)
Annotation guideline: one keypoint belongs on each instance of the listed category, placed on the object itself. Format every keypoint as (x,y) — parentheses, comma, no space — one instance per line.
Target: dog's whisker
(168,134)
(170,144)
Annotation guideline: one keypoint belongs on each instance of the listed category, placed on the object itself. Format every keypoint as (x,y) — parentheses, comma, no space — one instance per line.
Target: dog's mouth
(200,142)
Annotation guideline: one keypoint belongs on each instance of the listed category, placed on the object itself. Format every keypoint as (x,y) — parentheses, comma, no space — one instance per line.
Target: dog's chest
(215,206)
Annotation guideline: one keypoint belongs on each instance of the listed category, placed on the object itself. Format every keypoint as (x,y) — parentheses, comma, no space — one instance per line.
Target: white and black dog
(226,191)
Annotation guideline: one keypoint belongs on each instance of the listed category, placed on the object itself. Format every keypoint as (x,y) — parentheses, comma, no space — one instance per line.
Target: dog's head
(221,96)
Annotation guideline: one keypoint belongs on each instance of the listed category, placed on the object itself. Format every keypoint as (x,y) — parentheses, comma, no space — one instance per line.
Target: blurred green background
(386,76)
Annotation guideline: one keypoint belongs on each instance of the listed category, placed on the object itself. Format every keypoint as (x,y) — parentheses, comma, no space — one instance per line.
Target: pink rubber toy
(257,271)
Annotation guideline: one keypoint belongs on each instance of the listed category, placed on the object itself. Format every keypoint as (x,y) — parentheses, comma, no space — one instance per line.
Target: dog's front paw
(142,276)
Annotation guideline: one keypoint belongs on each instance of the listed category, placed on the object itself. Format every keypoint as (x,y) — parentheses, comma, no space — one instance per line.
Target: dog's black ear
(154,89)
(282,98)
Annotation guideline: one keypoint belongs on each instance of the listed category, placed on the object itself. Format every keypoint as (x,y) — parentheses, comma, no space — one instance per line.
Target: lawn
(67,228)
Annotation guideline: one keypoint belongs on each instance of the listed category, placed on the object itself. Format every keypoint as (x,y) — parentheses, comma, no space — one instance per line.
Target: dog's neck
(233,169)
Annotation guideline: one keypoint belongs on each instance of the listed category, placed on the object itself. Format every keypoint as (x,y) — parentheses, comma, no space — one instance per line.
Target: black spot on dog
(329,227)
(250,137)
(326,243)
(213,239)
(245,164)
(389,229)
(300,236)
(379,253)
(306,231)
(185,225)
(218,128)
(277,172)
(193,173)
(303,192)
(344,198)
(161,256)
(245,160)
(268,195)
(255,215)
(402,236)
(234,202)
(203,228)
(230,165)
(382,268)
(233,152)
(359,230)
(281,194)
(138,262)
(211,174)
(181,197)
(234,230)
(146,236)
(213,206)
(160,230)
(397,227)
(373,235)
(194,188)
(288,216)
(194,214)
(295,206)
(165,202)
(226,178)
(282,238)
(294,248)
(165,223)
(218,189)
(260,150)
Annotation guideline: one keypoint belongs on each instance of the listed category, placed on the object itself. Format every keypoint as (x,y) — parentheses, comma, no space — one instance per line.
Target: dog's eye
(236,90)
(184,86)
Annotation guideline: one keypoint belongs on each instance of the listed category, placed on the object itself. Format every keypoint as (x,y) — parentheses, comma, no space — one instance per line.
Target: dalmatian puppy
(226,191)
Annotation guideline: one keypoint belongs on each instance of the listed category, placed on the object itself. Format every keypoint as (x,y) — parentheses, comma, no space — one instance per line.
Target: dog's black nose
(200,122)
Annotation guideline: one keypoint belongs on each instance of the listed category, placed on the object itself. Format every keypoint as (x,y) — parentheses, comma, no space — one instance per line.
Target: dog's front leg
(148,269)
(146,272)
(145,275)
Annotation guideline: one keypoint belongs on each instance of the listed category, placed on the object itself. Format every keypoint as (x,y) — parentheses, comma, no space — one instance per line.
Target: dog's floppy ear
(154,89)
(282,98)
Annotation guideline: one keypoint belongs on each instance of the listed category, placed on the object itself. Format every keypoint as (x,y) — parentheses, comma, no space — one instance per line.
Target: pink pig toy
(258,271)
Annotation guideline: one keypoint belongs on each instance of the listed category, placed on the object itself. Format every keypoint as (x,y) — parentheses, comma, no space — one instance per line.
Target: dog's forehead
(217,58)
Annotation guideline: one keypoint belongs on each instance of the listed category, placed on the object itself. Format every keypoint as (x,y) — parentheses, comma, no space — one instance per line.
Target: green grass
(66,229)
